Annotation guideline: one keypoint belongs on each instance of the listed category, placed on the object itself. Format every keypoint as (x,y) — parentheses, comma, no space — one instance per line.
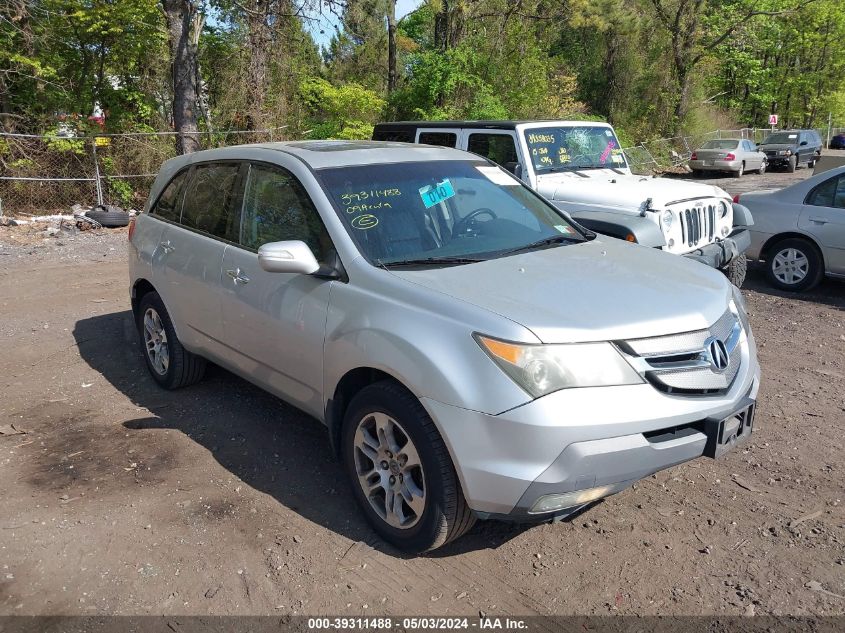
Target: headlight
(785,152)
(542,369)
(723,209)
(738,307)
(666,220)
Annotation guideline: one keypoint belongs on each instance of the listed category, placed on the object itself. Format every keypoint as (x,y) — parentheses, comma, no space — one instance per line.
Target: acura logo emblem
(717,354)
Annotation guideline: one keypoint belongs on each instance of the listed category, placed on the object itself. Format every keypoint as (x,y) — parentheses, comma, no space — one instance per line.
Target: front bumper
(580,439)
(720,254)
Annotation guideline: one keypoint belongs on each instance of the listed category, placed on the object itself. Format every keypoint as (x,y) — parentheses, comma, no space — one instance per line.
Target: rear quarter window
(167,206)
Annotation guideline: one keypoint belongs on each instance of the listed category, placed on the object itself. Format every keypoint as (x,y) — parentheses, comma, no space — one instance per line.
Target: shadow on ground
(269,445)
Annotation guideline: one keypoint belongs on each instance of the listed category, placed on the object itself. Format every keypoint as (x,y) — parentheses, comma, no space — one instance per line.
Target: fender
(742,215)
(645,232)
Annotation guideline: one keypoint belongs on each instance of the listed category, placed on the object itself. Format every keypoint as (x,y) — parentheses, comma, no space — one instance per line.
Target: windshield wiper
(554,239)
(432,261)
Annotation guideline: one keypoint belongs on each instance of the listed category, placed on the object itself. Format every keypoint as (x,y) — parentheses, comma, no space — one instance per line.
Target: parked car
(837,142)
(791,148)
(800,230)
(472,352)
(581,168)
(733,155)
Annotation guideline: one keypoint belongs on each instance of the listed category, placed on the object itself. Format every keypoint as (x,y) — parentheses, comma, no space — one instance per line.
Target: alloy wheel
(389,470)
(790,266)
(155,341)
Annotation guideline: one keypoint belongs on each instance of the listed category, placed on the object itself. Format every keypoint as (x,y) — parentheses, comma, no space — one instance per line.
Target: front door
(823,217)
(275,322)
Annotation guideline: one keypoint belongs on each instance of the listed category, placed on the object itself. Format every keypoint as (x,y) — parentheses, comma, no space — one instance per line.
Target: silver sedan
(730,154)
(799,231)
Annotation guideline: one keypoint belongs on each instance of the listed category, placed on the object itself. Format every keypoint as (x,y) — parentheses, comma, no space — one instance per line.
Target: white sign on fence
(773,119)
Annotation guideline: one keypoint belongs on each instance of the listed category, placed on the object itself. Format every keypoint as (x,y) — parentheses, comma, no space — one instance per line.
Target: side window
(166,205)
(209,198)
(446,139)
(831,193)
(397,136)
(277,208)
(499,148)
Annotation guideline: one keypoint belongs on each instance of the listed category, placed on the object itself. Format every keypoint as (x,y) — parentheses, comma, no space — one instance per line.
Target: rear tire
(740,171)
(170,364)
(386,424)
(736,270)
(794,264)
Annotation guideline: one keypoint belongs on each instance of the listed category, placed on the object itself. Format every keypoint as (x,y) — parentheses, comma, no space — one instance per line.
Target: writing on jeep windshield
(569,148)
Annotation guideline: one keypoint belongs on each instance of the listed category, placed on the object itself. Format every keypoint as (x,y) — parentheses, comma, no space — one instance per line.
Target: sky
(328,22)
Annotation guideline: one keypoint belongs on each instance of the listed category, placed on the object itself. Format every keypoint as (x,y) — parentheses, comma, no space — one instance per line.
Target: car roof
(324,154)
(482,124)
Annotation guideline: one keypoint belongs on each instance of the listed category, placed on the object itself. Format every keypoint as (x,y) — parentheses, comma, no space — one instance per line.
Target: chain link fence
(47,174)
(666,154)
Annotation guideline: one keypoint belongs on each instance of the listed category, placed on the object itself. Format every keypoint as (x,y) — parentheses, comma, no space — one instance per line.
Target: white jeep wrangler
(581,168)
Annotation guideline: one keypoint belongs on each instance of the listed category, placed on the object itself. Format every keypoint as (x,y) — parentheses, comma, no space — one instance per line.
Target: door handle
(167,247)
(819,220)
(237,277)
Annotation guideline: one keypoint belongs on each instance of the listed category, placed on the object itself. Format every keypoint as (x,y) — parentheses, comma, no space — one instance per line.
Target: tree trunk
(256,86)
(391,46)
(180,16)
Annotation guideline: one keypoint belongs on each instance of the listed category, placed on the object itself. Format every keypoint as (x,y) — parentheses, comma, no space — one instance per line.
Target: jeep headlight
(723,209)
(666,219)
(543,369)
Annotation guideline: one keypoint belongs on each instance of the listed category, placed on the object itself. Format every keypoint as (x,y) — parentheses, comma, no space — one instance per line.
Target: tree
(184,24)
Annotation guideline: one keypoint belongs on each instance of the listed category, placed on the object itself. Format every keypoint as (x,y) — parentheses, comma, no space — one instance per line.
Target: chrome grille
(679,363)
(698,224)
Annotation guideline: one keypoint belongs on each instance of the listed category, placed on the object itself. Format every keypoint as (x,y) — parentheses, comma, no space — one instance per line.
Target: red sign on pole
(773,119)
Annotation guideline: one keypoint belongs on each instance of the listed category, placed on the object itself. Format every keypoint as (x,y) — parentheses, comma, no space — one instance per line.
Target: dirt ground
(117,497)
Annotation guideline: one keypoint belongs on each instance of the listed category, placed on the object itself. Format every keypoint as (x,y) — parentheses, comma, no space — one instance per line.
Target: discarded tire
(108,216)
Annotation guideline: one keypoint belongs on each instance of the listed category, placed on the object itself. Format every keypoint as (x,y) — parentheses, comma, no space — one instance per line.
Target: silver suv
(472,351)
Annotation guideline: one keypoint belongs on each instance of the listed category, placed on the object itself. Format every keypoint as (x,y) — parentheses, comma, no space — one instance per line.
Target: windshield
(436,211)
(723,144)
(565,148)
(783,138)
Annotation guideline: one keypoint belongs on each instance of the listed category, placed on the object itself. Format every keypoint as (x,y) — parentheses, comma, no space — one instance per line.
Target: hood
(595,291)
(774,146)
(609,190)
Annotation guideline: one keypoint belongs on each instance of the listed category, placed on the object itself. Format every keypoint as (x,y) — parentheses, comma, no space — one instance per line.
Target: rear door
(274,323)
(191,253)
(823,217)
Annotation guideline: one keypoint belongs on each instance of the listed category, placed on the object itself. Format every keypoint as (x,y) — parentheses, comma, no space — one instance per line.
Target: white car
(580,168)
(799,231)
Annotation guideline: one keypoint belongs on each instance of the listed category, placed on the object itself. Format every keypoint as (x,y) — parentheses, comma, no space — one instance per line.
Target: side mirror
(292,256)
(803,143)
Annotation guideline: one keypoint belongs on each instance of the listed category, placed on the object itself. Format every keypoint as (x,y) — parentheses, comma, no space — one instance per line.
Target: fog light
(725,231)
(550,503)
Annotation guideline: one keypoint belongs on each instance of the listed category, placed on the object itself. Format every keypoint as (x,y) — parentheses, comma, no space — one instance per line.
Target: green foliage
(347,111)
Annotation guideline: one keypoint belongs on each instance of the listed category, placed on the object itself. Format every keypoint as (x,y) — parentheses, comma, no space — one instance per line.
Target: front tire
(792,164)
(401,473)
(794,265)
(762,169)
(736,269)
(170,364)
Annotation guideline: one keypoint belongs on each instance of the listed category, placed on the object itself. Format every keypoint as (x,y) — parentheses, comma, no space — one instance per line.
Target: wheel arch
(780,237)
(352,382)
(140,288)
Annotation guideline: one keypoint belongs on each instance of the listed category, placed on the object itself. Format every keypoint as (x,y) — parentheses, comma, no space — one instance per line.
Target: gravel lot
(120,498)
